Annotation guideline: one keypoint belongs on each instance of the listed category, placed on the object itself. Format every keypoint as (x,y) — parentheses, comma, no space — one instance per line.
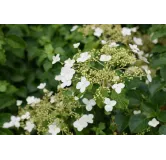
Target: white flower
(66,74)
(113,44)
(126,31)
(83,57)
(89,103)
(118,87)
(76,98)
(138,41)
(134,29)
(18,102)
(82,123)
(155,41)
(134,48)
(148,72)
(136,112)
(105,58)
(98,32)
(50,93)
(53,129)
(41,86)
(55,59)
(31,100)
(25,116)
(109,104)
(14,122)
(103,42)
(76,45)
(29,126)
(69,63)
(74,28)
(52,99)
(83,84)
(153,122)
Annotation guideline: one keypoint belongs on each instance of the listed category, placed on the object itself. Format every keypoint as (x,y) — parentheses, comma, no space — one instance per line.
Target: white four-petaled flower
(89,103)
(53,129)
(138,41)
(126,31)
(153,123)
(76,45)
(69,63)
(25,116)
(82,122)
(84,57)
(134,48)
(98,32)
(105,58)
(83,84)
(136,112)
(114,44)
(18,102)
(14,122)
(29,126)
(74,28)
(41,86)
(109,104)
(118,87)
(55,59)
(31,100)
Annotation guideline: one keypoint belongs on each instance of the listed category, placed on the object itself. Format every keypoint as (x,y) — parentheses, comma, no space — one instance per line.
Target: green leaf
(15,41)
(4,117)
(148,110)
(162,116)
(138,123)
(162,129)
(121,121)
(3,86)
(6,101)
(4,131)
(122,101)
(163,72)
(47,65)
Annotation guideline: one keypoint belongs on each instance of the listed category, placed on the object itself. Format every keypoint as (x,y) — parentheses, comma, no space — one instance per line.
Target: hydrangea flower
(18,102)
(118,87)
(29,126)
(126,31)
(69,63)
(76,45)
(41,86)
(84,57)
(82,123)
(141,57)
(134,48)
(83,84)
(66,74)
(138,41)
(76,98)
(31,100)
(148,72)
(98,32)
(55,59)
(105,58)
(114,44)
(14,122)
(136,112)
(25,116)
(103,42)
(155,41)
(52,99)
(109,104)
(53,129)
(153,122)
(74,28)
(89,103)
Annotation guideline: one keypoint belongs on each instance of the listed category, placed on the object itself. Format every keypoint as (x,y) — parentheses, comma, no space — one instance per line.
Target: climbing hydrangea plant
(93,90)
